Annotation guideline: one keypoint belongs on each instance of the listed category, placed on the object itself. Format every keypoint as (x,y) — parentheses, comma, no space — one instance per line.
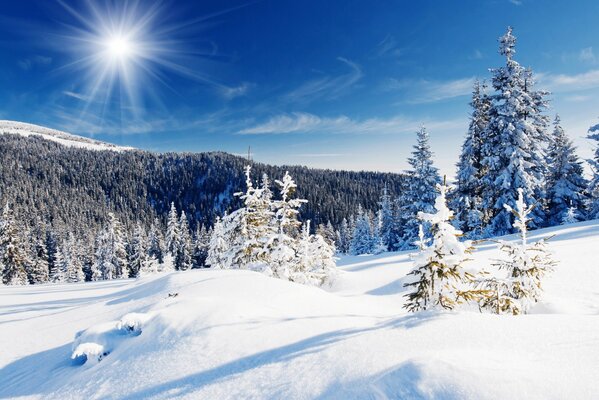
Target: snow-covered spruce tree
(327,232)
(593,189)
(218,249)
(73,265)
(565,183)
(439,265)
(37,270)
(183,256)
(343,237)
(201,243)
(111,256)
(361,242)
(248,229)
(51,247)
(281,246)
(314,263)
(61,264)
(466,198)
(513,146)
(386,219)
(526,265)
(13,258)
(155,244)
(172,233)
(138,257)
(570,217)
(420,194)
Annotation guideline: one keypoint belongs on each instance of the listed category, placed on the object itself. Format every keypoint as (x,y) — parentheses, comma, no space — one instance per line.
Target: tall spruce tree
(386,219)
(467,196)
(13,258)
(421,193)
(361,242)
(513,148)
(183,257)
(593,189)
(566,184)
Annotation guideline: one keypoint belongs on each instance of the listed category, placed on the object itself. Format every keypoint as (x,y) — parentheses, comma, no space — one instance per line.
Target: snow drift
(237,334)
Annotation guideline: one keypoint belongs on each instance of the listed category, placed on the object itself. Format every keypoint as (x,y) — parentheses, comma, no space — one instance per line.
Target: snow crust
(63,138)
(230,334)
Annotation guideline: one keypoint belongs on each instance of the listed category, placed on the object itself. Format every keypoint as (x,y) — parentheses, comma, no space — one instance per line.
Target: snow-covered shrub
(438,265)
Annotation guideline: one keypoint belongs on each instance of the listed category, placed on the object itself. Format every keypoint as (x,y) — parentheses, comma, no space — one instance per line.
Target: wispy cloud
(28,63)
(321,155)
(328,87)
(236,91)
(426,91)
(566,83)
(476,55)
(587,55)
(388,47)
(300,122)
(516,2)
(75,95)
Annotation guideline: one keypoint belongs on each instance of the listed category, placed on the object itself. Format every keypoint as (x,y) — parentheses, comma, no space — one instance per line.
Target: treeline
(510,145)
(44,256)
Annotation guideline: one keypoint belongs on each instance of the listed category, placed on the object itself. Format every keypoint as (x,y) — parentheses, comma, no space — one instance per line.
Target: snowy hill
(66,139)
(238,334)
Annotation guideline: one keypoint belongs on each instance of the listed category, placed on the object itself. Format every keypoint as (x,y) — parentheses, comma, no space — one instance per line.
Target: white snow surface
(66,139)
(231,334)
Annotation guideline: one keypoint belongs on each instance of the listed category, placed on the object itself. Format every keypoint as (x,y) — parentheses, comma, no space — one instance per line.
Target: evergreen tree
(439,266)
(201,244)
(281,246)
(219,247)
(513,148)
(315,260)
(139,251)
(111,256)
(250,228)
(13,258)
(525,264)
(172,232)
(51,248)
(61,265)
(467,197)
(327,232)
(362,237)
(593,190)
(73,266)
(37,270)
(343,237)
(155,244)
(386,220)
(420,193)
(183,260)
(565,184)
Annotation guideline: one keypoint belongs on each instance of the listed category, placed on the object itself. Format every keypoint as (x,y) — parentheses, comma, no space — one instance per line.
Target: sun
(119,47)
(123,54)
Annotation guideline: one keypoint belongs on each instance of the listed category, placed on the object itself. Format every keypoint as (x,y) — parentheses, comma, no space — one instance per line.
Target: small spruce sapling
(526,265)
(439,265)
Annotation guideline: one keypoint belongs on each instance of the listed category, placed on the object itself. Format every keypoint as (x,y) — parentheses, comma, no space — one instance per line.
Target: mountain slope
(238,334)
(72,188)
(66,139)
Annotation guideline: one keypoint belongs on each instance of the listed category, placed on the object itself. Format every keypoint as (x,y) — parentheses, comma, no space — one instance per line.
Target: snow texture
(230,334)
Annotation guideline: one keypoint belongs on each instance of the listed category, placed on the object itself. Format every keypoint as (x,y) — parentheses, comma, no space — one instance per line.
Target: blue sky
(334,84)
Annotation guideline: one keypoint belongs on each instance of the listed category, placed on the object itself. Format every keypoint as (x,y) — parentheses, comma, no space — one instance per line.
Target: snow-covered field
(239,335)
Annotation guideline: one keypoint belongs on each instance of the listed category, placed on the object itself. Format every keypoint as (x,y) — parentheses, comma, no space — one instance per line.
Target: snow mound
(229,334)
(65,139)
(97,342)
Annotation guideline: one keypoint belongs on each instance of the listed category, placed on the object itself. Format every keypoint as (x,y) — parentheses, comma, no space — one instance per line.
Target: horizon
(340,86)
